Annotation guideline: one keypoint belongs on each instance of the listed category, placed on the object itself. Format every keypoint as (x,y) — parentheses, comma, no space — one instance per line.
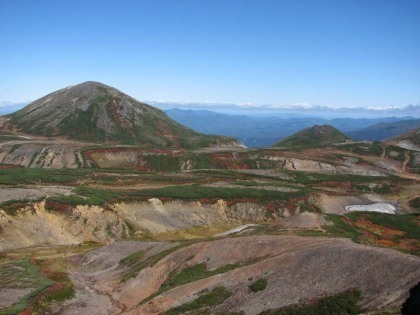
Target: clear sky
(335,52)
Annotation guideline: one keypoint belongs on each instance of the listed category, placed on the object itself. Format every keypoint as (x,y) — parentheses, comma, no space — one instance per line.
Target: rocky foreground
(152,278)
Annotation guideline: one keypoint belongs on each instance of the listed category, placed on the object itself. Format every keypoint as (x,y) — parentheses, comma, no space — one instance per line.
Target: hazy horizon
(267,110)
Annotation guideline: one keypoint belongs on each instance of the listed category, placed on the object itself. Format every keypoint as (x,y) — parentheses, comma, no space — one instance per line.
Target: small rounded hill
(313,137)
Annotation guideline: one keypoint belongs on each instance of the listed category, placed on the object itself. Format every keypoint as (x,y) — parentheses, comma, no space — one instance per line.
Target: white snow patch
(374,207)
(236,230)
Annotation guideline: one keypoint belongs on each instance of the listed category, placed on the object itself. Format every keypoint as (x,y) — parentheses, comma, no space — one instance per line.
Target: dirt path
(87,300)
(383,151)
(2,121)
(406,161)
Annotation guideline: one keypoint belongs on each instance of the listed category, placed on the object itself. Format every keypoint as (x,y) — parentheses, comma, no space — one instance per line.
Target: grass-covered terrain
(136,263)
(20,175)
(246,185)
(415,203)
(340,304)
(396,153)
(132,259)
(45,274)
(63,288)
(258,285)
(195,192)
(192,273)
(369,148)
(206,300)
(22,274)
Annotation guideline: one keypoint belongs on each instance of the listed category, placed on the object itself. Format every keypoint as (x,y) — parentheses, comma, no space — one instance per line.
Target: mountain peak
(95,112)
(323,131)
(90,85)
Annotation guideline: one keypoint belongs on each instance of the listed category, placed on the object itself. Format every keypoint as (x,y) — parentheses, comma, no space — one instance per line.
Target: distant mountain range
(266,131)
(295,110)
(8,107)
(383,131)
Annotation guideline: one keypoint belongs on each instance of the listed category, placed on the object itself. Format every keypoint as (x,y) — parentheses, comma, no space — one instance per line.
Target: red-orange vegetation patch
(272,207)
(28,311)
(292,203)
(229,161)
(44,271)
(54,288)
(410,244)
(143,168)
(8,166)
(386,243)
(373,234)
(59,207)
(335,184)
(207,201)
(379,230)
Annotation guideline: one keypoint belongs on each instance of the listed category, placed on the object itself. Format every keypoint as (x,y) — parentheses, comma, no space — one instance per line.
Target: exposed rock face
(159,217)
(95,112)
(294,164)
(297,269)
(42,155)
(326,168)
(34,225)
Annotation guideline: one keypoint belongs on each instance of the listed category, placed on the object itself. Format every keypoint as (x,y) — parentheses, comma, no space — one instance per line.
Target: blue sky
(335,52)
